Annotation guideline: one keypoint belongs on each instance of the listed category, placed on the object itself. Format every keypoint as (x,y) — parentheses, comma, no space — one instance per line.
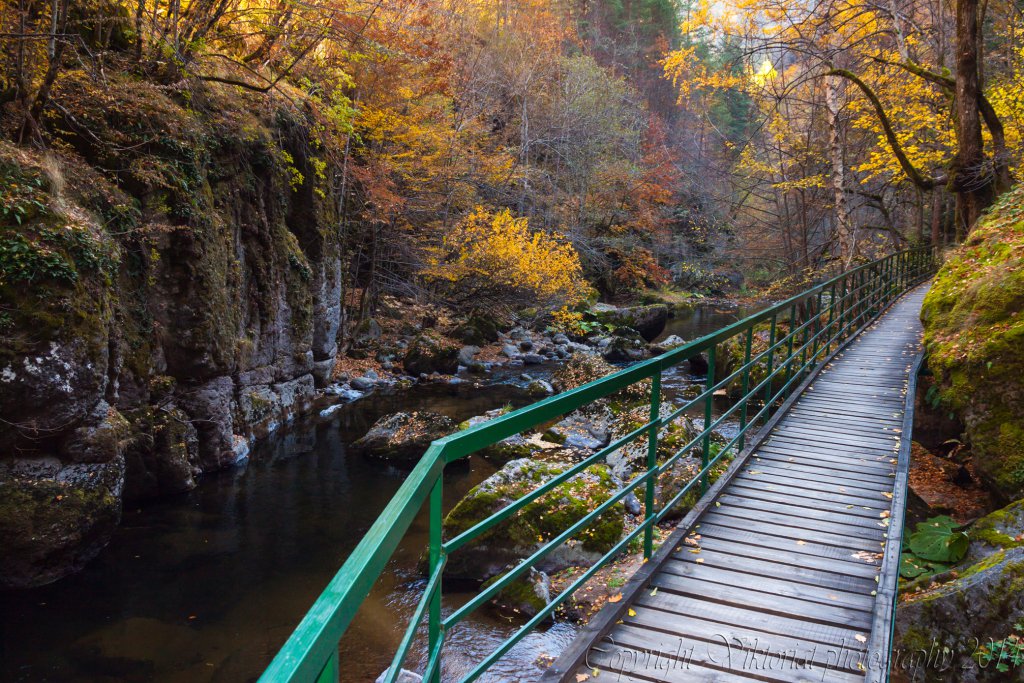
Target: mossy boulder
(404,436)
(54,518)
(632,458)
(997,531)
(941,632)
(429,353)
(538,522)
(648,321)
(478,329)
(974,335)
(583,368)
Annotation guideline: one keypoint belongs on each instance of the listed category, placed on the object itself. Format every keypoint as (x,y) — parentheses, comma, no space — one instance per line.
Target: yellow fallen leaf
(654,592)
(631,612)
(615,598)
(801,542)
(700,560)
(860,638)
(582,677)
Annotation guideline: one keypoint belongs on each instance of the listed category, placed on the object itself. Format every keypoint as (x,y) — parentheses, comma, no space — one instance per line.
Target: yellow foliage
(493,258)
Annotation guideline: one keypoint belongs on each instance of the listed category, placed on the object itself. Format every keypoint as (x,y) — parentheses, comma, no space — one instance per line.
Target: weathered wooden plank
(789,536)
(726,615)
(729,577)
(740,596)
(846,565)
(836,515)
(795,524)
(805,503)
(864,497)
(784,466)
(709,557)
(878,465)
(748,645)
(827,483)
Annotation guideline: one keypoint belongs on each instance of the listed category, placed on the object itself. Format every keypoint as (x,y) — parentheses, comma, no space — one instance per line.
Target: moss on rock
(537,523)
(974,334)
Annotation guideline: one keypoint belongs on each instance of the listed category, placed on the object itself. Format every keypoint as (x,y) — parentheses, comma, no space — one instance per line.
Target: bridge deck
(783,572)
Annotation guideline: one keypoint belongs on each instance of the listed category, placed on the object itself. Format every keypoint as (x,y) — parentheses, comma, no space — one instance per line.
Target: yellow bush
(492,259)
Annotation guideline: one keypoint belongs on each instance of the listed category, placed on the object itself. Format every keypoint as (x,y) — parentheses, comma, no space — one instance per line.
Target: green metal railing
(801,333)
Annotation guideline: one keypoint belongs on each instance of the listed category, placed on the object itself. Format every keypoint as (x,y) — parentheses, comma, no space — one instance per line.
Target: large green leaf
(911,567)
(938,540)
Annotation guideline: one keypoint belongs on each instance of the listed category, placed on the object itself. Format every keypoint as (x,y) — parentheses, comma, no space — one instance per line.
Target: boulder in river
(538,522)
(404,436)
(429,353)
(649,321)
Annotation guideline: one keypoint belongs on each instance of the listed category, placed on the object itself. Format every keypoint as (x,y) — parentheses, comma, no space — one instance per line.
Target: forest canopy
(667,142)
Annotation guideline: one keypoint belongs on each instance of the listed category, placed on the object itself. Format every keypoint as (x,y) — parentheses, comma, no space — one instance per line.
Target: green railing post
(771,365)
(789,350)
(817,327)
(329,674)
(436,630)
(705,451)
(652,464)
(746,387)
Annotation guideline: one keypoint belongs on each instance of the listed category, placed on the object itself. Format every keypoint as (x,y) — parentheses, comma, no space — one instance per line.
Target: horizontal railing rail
(801,331)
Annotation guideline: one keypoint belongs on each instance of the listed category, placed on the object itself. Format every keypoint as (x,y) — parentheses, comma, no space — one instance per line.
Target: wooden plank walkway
(787,570)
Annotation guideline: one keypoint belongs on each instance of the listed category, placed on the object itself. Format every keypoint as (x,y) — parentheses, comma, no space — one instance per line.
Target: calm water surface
(206,586)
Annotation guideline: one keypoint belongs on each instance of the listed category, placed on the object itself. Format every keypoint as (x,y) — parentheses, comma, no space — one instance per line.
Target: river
(206,586)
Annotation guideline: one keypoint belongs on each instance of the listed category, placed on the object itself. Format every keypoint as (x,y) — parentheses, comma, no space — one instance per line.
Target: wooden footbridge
(786,568)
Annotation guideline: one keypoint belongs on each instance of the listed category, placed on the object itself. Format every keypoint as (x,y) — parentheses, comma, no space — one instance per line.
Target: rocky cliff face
(170,287)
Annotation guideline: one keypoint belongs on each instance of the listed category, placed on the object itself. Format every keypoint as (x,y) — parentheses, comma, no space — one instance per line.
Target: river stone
(52,388)
(509,351)
(624,349)
(532,359)
(670,342)
(403,435)
(363,383)
(322,371)
(525,596)
(515,446)
(539,387)
(467,353)
(54,518)
(586,429)
(490,553)
(429,353)
(649,321)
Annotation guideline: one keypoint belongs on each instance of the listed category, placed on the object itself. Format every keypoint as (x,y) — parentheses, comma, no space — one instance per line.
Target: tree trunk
(844,228)
(969,177)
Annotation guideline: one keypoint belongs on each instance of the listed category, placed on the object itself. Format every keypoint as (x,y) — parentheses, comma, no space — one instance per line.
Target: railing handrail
(310,654)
